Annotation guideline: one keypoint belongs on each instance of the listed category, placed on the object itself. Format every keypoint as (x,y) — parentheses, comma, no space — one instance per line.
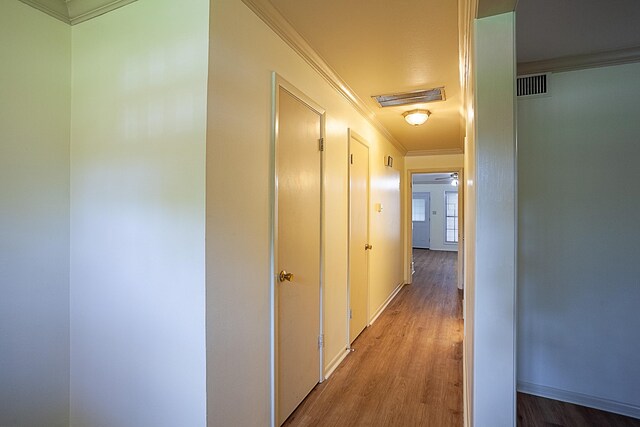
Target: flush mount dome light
(416,117)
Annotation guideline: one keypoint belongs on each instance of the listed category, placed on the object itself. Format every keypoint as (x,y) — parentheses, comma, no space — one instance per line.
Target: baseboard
(465,387)
(580,399)
(335,363)
(385,303)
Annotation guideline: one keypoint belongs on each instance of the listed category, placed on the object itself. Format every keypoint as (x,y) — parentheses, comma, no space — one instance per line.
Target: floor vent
(532,85)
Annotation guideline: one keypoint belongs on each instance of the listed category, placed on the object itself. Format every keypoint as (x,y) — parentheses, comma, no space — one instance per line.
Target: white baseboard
(465,387)
(335,363)
(385,304)
(580,399)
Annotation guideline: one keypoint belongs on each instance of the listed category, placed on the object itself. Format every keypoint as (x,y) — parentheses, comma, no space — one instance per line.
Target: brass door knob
(368,246)
(285,276)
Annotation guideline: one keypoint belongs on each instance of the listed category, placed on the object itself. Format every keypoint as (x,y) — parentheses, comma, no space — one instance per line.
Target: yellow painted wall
(137,216)
(434,162)
(35,79)
(243,54)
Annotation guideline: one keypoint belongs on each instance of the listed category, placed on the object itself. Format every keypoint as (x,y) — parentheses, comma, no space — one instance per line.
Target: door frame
(351,134)
(277,83)
(409,234)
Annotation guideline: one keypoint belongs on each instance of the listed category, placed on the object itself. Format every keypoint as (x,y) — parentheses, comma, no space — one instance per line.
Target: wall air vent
(407,98)
(532,85)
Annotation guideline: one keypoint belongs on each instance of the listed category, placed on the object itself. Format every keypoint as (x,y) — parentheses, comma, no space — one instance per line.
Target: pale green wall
(137,216)
(35,73)
(579,198)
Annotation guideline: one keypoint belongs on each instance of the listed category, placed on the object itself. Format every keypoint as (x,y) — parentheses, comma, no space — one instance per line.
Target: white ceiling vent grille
(532,85)
(407,98)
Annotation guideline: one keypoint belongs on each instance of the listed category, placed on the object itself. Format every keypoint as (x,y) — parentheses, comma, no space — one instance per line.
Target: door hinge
(351,158)
(321,341)
(350,314)
(321,144)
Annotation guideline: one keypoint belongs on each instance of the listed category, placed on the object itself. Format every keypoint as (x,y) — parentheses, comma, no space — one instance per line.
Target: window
(451,202)
(419,212)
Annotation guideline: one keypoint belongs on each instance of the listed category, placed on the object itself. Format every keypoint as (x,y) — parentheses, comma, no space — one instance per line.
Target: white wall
(244,52)
(137,216)
(35,78)
(578,283)
(437,220)
(494,283)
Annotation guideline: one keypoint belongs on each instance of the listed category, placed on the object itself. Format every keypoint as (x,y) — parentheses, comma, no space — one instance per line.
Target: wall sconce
(388,161)
(416,117)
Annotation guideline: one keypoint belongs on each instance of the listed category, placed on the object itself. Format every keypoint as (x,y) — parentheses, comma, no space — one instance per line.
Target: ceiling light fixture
(416,117)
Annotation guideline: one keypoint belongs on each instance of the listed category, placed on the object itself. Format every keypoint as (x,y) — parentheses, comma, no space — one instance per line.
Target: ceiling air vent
(416,97)
(532,85)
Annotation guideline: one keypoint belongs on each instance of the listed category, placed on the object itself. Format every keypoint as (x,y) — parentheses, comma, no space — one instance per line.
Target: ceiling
(549,29)
(382,47)
(76,11)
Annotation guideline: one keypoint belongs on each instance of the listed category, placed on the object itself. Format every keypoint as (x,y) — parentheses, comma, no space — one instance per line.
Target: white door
(358,237)
(298,181)
(420,213)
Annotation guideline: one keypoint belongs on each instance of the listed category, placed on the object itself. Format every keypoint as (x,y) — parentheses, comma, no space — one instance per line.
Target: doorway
(299,126)
(435,204)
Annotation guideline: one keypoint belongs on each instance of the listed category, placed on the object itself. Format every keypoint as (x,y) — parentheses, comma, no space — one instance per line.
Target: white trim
(100,8)
(386,303)
(579,62)
(335,363)
(274,20)
(466,396)
(580,399)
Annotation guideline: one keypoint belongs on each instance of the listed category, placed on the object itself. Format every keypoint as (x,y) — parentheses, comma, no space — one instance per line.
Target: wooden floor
(536,411)
(406,369)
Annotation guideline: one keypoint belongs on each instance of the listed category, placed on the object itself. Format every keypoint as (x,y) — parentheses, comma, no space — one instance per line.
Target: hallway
(407,367)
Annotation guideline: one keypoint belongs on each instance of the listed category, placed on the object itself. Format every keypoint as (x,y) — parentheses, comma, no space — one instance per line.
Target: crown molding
(579,62)
(76,11)
(274,20)
(443,151)
(55,8)
(83,10)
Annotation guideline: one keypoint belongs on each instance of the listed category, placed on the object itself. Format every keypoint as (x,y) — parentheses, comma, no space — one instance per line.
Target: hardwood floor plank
(534,411)
(406,369)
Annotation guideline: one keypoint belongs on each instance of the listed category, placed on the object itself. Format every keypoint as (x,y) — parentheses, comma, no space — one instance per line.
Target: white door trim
(278,82)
